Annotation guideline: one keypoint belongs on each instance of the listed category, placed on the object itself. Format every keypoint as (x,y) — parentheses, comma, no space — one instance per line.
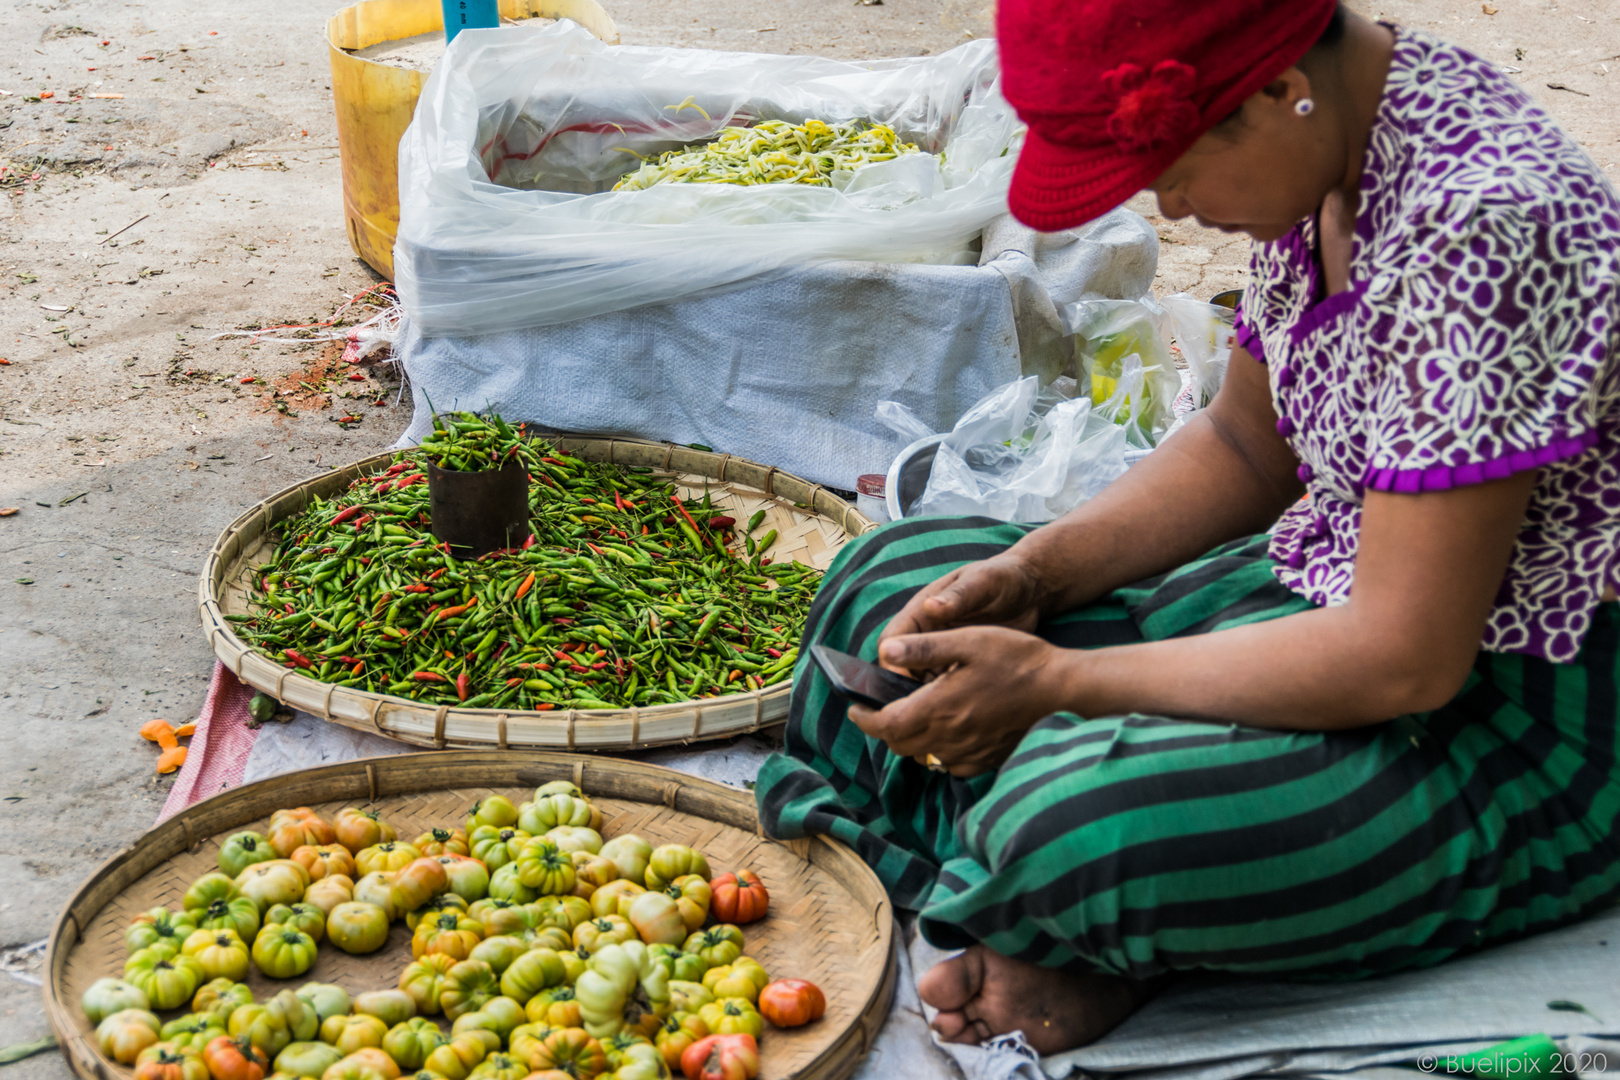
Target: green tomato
(278,881)
(300,916)
(496,811)
(326,999)
(507,885)
(549,811)
(717,945)
(685,966)
(239,914)
(732,1016)
(500,1066)
(531,973)
(423,980)
(620,976)
(641,1061)
(283,952)
(390,1006)
(543,867)
(107,996)
(468,878)
(221,997)
(301,1020)
(499,952)
(195,1030)
(357,927)
(159,925)
(208,888)
(495,847)
(688,997)
(242,851)
(671,861)
(309,1059)
(222,954)
(572,838)
(168,982)
(410,1042)
(467,986)
(124,1034)
(262,1027)
(506,1013)
(630,853)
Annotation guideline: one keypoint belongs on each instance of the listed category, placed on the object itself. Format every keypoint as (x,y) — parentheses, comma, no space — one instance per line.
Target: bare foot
(981,994)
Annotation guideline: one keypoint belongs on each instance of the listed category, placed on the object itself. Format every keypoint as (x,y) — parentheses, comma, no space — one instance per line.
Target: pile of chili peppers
(624,594)
(468,442)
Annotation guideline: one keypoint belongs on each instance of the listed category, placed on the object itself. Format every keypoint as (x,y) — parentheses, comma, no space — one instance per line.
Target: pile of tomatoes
(553,954)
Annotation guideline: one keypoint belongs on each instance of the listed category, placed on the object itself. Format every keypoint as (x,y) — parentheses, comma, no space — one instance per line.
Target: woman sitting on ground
(1159,738)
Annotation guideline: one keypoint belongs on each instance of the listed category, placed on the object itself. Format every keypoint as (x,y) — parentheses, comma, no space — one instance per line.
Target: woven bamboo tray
(829,921)
(811,524)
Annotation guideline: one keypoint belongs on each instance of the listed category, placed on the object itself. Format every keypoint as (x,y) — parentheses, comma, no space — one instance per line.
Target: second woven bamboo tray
(829,919)
(811,523)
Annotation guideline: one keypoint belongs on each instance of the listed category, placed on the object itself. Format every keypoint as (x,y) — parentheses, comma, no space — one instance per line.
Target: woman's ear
(1284,92)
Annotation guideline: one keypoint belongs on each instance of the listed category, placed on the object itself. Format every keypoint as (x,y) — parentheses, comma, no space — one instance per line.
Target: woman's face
(1260,173)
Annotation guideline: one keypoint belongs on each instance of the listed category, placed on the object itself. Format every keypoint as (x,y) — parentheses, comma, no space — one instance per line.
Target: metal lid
(871,484)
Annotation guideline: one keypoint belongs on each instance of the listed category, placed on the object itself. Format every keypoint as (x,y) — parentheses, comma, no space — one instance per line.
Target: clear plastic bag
(506,220)
(1123,356)
(1020,454)
(1204,332)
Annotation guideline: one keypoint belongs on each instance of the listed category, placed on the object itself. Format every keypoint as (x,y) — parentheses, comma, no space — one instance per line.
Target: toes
(949,1025)
(951,984)
(955,1027)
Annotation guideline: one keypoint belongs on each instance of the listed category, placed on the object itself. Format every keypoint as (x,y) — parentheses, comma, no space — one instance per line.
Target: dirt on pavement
(169,171)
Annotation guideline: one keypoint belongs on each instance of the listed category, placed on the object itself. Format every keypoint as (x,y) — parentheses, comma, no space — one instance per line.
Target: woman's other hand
(996,684)
(1000,591)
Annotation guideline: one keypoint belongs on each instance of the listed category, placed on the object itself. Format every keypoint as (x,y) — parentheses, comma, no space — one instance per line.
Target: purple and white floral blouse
(1480,338)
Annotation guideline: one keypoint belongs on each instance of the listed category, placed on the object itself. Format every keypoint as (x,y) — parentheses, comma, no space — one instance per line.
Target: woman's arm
(1226,474)
(1427,574)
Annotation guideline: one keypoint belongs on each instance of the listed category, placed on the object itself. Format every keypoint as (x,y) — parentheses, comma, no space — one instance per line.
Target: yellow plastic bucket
(375,102)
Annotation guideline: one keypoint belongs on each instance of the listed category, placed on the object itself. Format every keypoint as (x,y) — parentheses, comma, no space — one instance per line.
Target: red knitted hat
(1114,91)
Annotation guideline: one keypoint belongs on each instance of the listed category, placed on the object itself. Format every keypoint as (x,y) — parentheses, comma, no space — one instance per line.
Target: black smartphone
(856,680)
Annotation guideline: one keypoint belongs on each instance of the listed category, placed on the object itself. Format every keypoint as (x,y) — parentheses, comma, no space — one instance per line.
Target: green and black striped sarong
(1137,845)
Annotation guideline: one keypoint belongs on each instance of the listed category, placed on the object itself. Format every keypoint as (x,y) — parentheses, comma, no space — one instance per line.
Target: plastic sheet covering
(506,220)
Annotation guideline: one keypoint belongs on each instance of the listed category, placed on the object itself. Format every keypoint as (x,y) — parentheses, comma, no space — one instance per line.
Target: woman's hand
(1000,591)
(997,684)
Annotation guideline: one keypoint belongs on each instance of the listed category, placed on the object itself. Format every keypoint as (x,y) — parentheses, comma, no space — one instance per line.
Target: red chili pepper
(436,574)
(431,610)
(496,655)
(587,500)
(459,609)
(416,588)
(618,502)
(523,589)
(544,706)
(359,666)
(463,684)
(774,654)
(513,682)
(561,621)
(428,676)
(396,468)
(346,514)
(594,548)
(296,658)
(529,543)
(564,657)
(722,522)
(578,670)
(541,667)
(599,665)
(551,461)
(688,518)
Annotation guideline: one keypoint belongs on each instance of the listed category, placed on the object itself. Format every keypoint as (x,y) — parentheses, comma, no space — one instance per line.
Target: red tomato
(738,898)
(792,1002)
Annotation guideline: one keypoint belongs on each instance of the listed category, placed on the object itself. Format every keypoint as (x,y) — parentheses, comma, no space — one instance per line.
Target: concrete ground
(129,439)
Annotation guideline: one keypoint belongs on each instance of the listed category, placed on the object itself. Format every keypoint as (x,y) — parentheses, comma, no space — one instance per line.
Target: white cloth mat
(1204,1027)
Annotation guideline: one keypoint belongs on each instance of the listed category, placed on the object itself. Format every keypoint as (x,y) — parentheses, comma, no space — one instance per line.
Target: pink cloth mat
(219,748)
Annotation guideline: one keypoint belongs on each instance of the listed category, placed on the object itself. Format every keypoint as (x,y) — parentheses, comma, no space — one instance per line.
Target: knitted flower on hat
(1155,108)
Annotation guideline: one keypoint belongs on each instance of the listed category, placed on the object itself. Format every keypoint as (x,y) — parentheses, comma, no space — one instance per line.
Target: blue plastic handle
(462,15)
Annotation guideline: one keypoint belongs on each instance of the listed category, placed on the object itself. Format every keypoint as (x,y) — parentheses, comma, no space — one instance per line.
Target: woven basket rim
(397,775)
(366,710)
